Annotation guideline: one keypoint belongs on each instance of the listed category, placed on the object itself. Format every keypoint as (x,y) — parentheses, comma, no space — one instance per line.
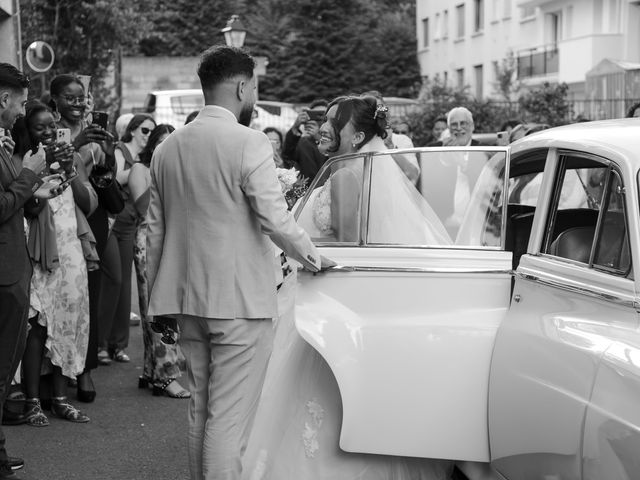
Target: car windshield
(457,200)
(185,104)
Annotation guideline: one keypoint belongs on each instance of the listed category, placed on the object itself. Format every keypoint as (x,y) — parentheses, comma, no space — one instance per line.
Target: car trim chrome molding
(362,268)
(618,300)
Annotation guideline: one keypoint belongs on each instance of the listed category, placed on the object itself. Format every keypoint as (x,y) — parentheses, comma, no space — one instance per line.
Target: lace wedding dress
(297,426)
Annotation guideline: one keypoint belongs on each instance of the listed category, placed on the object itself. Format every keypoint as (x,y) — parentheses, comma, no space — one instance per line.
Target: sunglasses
(145,130)
(168,334)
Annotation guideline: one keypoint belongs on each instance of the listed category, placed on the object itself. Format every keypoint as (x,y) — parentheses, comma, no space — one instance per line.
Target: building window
(495,8)
(438,28)
(477,71)
(507,9)
(445,77)
(614,20)
(527,12)
(460,20)
(445,24)
(460,77)
(425,31)
(478,17)
(554,27)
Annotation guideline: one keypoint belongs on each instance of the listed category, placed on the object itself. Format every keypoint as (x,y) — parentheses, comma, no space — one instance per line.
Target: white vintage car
(515,347)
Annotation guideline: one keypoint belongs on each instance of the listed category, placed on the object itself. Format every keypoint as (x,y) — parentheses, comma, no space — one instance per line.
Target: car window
(587,222)
(466,191)
(456,202)
(332,210)
(185,104)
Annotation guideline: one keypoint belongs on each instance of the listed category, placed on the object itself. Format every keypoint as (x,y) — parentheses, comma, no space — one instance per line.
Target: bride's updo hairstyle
(363,113)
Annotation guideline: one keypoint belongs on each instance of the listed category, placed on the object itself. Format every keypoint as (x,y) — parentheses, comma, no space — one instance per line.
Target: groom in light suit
(216,205)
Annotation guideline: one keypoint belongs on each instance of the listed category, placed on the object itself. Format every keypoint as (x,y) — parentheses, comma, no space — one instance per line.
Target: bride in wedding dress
(296,430)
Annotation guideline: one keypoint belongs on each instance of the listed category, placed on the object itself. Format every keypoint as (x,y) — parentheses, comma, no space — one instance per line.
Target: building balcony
(538,61)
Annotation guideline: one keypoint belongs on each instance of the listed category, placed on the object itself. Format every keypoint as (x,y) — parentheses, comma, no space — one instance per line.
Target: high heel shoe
(86,391)
(144,382)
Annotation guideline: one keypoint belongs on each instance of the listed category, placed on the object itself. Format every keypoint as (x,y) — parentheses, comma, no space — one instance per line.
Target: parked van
(173,106)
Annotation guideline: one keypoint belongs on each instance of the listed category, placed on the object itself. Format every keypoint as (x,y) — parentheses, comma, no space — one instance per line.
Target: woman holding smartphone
(92,142)
(62,248)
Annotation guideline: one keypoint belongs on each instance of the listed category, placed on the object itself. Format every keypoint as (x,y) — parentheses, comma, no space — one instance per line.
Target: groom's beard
(246,114)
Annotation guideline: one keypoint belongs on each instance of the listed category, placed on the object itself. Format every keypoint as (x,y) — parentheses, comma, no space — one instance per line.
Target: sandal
(121,356)
(35,415)
(104,358)
(177,392)
(61,408)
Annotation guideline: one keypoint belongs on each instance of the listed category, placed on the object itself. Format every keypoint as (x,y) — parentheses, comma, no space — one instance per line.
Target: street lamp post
(234,35)
(234,32)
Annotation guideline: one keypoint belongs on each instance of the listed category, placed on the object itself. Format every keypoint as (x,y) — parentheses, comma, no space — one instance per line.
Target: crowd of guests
(82,254)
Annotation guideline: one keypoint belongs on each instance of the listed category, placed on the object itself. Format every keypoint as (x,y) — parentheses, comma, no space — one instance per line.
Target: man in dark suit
(17,186)
(447,184)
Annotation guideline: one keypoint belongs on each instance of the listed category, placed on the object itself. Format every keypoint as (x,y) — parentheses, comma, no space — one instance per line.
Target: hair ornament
(381,112)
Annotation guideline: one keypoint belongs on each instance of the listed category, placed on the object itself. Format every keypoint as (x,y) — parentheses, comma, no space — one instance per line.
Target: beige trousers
(226,365)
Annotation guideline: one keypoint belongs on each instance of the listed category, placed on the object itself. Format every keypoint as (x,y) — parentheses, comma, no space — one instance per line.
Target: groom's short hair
(221,62)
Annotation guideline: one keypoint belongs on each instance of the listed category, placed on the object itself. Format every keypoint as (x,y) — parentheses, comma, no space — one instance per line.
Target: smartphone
(101,118)
(70,178)
(63,135)
(2,132)
(503,138)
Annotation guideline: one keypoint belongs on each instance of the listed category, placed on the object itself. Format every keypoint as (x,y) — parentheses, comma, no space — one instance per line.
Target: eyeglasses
(145,130)
(79,100)
(462,124)
(168,333)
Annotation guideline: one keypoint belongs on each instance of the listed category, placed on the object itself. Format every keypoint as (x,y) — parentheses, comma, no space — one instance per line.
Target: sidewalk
(132,435)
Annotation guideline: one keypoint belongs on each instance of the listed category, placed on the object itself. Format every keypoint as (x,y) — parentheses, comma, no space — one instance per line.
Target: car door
(406,324)
(572,295)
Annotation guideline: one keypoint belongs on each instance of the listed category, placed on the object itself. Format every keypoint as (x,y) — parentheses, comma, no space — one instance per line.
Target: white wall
(588,34)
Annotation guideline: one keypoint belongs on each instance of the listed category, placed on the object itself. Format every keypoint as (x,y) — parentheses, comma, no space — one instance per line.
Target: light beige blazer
(215,201)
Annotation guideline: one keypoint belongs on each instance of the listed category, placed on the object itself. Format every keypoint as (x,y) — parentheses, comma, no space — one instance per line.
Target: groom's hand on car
(326,263)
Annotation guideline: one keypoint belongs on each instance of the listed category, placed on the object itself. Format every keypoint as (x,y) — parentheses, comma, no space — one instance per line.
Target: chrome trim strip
(360,268)
(579,290)
(364,199)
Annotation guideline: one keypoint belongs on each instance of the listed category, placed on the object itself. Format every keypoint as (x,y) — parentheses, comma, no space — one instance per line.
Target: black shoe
(6,472)
(13,418)
(86,391)
(15,463)
(13,410)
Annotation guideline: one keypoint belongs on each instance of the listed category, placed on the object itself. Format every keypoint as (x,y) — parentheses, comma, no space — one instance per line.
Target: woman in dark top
(161,361)
(114,336)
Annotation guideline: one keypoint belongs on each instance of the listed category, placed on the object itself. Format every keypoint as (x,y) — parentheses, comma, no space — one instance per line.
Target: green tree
(86,37)
(547,104)
(506,74)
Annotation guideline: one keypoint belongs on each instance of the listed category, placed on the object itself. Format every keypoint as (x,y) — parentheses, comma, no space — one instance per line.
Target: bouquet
(293,186)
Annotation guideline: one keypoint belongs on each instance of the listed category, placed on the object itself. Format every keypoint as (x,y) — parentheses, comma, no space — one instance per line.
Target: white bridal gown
(297,425)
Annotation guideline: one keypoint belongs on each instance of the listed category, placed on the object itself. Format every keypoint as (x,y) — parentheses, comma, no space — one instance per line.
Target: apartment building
(10,32)
(461,41)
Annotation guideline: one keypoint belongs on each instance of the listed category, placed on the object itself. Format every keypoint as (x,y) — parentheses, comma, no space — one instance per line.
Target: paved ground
(132,434)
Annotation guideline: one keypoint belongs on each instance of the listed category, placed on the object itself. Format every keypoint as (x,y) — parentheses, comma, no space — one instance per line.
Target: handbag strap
(128,159)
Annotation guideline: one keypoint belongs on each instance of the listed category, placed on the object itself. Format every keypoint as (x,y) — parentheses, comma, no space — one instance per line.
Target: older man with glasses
(456,178)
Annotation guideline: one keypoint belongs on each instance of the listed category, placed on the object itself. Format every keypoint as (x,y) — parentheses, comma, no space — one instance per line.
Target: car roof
(616,139)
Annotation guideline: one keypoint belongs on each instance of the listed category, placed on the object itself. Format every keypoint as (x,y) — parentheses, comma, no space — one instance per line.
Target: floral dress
(161,361)
(61,297)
